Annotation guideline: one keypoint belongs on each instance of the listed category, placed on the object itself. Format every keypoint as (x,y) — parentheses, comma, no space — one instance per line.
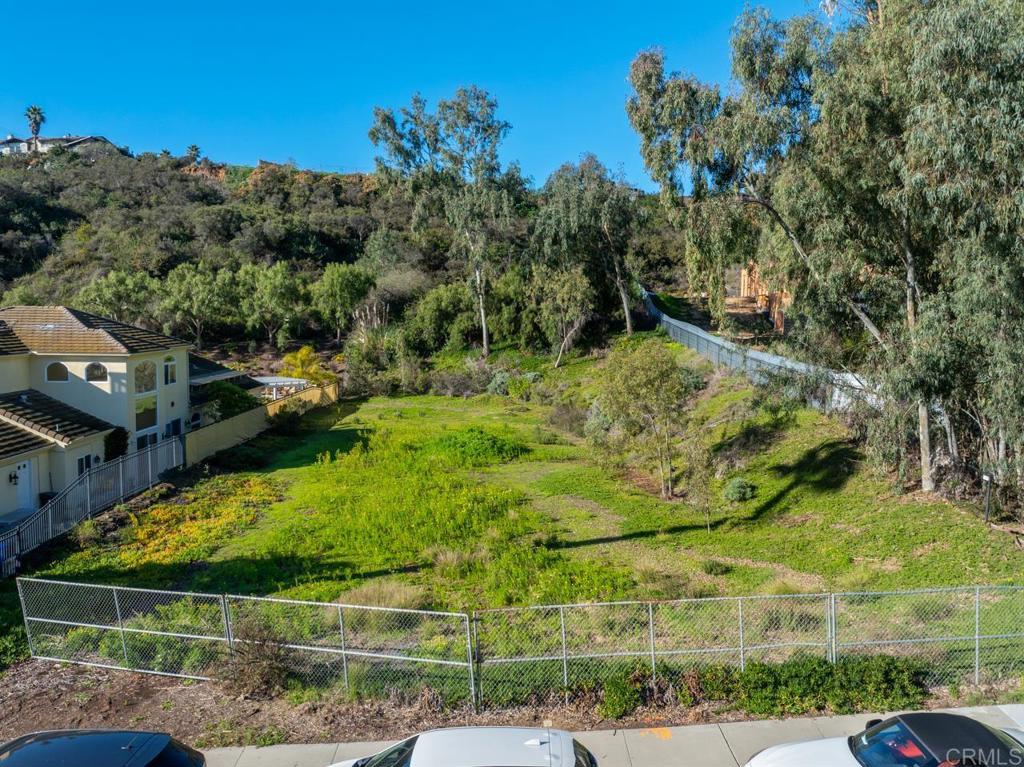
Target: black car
(109,748)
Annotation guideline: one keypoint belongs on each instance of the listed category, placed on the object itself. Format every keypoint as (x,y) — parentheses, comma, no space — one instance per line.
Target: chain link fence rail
(369,651)
(513,656)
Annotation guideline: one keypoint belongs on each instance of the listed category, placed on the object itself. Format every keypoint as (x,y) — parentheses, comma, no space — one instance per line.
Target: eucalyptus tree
(589,219)
(120,295)
(815,139)
(448,162)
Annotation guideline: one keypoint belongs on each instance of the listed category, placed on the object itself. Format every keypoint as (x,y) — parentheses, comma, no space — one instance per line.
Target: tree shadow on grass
(824,468)
(321,432)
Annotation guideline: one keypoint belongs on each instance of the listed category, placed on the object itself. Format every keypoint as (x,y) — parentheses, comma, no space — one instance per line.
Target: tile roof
(63,330)
(33,410)
(14,440)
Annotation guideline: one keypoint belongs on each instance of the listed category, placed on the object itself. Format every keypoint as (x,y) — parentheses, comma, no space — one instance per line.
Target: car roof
(944,734)
(72,748)
(489,747)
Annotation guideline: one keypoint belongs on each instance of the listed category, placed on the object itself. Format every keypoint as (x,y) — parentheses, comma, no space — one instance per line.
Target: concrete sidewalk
(710,745)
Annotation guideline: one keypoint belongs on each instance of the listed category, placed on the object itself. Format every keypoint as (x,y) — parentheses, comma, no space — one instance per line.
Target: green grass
(467,503)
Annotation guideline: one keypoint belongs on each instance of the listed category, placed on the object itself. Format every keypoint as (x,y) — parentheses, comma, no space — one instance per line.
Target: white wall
(9,492)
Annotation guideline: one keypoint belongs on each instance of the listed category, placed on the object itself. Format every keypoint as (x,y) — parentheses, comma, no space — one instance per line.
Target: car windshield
(399,755)
(890,744)
(583,757)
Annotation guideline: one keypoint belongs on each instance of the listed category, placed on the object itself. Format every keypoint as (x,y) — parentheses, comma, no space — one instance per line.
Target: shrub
(499,383)
(240,458)
(259,665)
(87,533)
(230,400)
(568,417)
(739,489)
(621,698)
(476,447)
(715,567)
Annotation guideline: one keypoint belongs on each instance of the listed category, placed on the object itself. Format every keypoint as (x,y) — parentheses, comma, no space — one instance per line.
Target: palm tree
(36,118)
(192,153)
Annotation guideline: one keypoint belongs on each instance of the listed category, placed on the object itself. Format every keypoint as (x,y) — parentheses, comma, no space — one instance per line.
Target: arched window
(94,371)
(145,377)
(170,371)
(56,371)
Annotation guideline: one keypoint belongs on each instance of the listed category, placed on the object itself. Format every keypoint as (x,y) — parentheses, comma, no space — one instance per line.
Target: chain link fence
(513,656)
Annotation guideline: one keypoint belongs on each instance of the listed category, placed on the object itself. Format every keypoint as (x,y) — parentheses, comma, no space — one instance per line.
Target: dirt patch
(41,695)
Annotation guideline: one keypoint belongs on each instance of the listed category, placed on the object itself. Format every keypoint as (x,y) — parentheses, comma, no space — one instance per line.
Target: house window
(170,371)
(145,377)
(56,371)
(145,413)
(173,428)
(84,464)
(145,441)
(94,371)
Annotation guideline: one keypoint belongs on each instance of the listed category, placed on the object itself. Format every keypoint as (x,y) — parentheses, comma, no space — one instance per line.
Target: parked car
(929,739)
(482,747)
(110,748)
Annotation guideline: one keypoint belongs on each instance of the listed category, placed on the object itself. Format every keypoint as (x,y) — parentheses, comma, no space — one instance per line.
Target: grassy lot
(483,501)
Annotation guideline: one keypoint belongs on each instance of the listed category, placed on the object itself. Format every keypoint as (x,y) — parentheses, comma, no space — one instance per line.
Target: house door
(26,491)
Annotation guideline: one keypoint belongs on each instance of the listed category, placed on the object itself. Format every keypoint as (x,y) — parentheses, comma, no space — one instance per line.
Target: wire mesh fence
(512,656)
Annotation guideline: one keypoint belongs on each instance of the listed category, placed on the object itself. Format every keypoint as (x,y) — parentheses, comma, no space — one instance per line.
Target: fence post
(120,627)
(227,624)
(654,655)
(344,655)
(743,647)
(149,462)
(24,615)
(120,478)
(565,654)
(977,634)
(88,492)
(469,659)
(835,627)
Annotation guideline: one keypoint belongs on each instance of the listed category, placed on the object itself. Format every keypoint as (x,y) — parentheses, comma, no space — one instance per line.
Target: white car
(482,747)
(929,739)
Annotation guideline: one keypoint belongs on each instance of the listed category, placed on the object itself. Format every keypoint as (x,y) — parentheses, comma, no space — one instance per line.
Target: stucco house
(68,381)
(14,145)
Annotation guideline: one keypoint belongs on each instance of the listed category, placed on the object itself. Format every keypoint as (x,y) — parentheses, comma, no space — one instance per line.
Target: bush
(715,567)
(476,447)
(621,698)
(240,458)
(230,400)
(739,489)
(259,666)
(568,417)
(499,383)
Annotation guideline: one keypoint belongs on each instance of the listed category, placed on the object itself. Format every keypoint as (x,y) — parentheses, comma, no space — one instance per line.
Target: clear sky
(298,81)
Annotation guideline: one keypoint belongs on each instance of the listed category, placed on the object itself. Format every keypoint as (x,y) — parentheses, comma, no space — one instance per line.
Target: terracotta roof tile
(15,440)
(9,342)
(33,410)
(63,330)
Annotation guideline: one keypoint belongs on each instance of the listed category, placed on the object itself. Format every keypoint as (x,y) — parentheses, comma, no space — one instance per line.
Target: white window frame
(170,367)
(135,379)
(106,373)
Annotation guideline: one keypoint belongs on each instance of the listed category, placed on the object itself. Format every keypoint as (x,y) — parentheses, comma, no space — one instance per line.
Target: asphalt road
(709,745)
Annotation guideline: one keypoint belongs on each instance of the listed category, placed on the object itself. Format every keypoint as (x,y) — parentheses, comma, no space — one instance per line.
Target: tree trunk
(483,311)
(923,433)
(670,490)
(568,338)
(620,283)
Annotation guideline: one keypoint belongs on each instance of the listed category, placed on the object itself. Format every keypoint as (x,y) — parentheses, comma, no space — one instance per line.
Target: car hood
(829,752)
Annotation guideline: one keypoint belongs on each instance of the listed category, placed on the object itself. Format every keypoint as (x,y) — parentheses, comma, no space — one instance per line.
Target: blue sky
(279,81)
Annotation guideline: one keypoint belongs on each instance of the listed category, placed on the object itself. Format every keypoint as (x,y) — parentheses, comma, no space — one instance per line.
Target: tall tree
(566,300)
(196,295)
(36,117)
(122,296)
(814,138)
(338,292)
(587,217)
(270,297)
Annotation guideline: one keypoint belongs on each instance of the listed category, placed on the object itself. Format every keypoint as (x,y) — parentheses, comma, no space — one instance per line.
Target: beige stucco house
(68,380)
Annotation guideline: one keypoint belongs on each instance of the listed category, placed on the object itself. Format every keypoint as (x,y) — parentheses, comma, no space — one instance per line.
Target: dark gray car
(110,748)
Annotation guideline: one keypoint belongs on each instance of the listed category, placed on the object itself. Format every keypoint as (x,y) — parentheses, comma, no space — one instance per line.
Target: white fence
(839,390)
(97,489)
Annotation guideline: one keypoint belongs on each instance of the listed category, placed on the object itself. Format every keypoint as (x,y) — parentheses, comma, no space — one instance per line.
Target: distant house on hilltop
(15,145)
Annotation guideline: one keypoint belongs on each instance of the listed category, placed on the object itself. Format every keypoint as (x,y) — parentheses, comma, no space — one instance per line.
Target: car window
(583,757)
(890,744)
(177,755)
(396,756)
